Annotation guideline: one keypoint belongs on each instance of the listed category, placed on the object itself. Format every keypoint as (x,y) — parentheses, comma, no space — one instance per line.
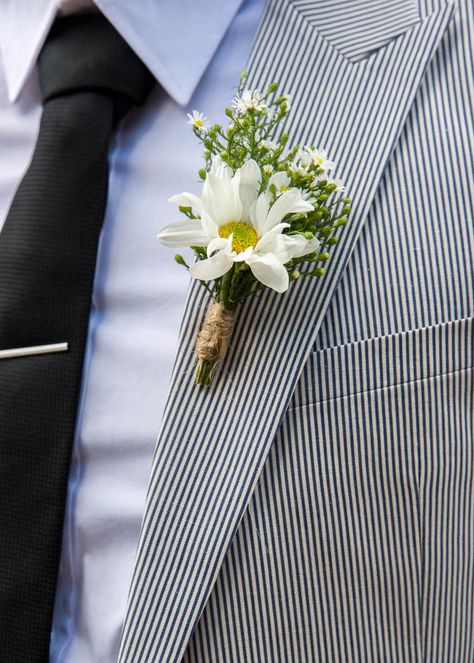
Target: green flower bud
(229,113)
(319,271)
(323,257)
(180,260)
(341,221)
(202,173)
(295,274)
(332,240)
(272,87)
(325,232)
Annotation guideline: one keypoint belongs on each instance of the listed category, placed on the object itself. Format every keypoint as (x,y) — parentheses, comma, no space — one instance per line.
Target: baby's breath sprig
(268,215)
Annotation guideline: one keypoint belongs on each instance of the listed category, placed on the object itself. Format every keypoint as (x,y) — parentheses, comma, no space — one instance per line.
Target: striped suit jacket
(317,503)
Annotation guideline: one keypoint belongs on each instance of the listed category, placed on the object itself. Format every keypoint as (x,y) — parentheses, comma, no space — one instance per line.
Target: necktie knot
(84,52)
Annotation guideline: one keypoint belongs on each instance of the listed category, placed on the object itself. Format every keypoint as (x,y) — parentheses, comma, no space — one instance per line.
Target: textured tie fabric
(89,79)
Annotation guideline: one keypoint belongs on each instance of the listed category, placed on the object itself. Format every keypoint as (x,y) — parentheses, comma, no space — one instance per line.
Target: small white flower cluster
(267,214)
(252,101)
(340,188)
(315,161)
(263,211)
(317,157)
(269,145)
(198,121)
(249,100)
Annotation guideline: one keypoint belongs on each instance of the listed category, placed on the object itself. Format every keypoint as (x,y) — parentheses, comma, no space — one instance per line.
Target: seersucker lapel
(353,101)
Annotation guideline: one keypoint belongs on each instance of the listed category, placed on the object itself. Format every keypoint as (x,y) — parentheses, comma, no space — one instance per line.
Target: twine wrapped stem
(212,341)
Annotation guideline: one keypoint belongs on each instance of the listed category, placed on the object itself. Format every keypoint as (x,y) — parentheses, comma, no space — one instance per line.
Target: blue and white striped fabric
(318,506)
(357,27)
(358,543)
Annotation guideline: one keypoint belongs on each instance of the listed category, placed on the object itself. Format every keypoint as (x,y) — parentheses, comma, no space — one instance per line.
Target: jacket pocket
(385,361)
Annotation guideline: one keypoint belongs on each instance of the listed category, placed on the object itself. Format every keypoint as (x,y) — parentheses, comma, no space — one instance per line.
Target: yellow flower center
(243,235)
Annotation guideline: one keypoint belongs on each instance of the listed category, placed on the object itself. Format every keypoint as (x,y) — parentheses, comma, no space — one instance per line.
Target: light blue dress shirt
(196,51)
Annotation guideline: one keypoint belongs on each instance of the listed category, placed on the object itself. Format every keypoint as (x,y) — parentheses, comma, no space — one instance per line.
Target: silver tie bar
(33,350)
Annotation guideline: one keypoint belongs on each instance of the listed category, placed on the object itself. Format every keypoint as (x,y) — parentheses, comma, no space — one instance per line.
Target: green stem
(226,282)
(205,372)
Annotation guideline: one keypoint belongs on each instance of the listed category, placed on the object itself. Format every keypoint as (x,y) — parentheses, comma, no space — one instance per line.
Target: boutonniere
(267,214)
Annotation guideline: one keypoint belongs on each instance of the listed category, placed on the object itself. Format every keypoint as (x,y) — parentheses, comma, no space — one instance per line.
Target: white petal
(218,166)
(186,199)
(233,255)
(250,178)
(216,244)
(209,226)
(267,239)
(212,268)
(268,270)
(289,201)
(278,248)
(220,194)
(279,179)
(259,213)
(184,233)
(285,247)
(300,246)
(243,255)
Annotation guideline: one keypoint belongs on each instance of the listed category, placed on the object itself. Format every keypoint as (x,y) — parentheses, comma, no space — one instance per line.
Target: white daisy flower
(198,121)
(340,188)
(320,159)
(284,155)
(270,114)
(249,100)
(269,145)
(304,157)
(239,224)
(298,169)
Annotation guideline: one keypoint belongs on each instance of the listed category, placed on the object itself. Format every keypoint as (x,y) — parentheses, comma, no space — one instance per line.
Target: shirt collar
(176,39)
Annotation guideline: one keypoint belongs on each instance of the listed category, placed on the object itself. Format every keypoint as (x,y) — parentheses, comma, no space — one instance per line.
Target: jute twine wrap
(213,339)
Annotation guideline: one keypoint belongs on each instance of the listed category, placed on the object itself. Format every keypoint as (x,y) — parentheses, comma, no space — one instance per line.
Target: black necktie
(89,79)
